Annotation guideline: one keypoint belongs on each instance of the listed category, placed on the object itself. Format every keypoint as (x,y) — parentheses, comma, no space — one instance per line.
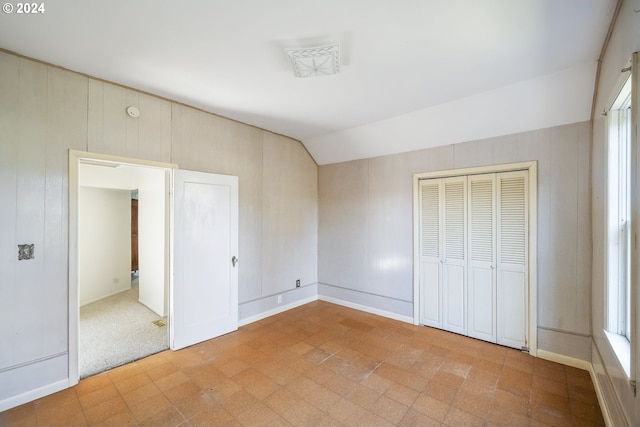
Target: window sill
(622,349)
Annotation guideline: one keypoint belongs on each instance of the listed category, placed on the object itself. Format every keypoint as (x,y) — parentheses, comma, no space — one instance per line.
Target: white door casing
(204,292)
(75,158)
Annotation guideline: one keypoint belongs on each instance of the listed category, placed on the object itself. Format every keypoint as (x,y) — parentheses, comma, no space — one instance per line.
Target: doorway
(122,292)
(197,246)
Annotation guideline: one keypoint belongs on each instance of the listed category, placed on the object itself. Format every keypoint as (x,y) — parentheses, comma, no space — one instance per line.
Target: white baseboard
(565,360)
(104,296)
(587,366)
(383,313)
(30,395)
(277,310)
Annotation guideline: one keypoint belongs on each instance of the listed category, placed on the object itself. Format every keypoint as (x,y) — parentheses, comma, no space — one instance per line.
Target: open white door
(204,289)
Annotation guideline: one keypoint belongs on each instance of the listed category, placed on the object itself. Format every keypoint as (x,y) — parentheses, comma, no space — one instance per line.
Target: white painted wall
(152,235)
(523,106)
(152,225)
(104,242)
(619,396)
(117,178)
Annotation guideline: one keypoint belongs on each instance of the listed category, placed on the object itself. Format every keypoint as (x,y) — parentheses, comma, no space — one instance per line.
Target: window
(619,217)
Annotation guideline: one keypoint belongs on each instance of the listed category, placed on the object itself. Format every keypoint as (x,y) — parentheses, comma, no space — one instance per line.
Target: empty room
(330,213)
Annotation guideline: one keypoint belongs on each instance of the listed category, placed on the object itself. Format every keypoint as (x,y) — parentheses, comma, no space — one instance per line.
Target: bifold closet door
(474,256)
(512,255)
(454,261)
(443,253)
(481,306)
(431,252)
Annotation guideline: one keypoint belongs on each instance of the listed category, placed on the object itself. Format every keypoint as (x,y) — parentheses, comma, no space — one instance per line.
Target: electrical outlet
(298,283)
(279,299)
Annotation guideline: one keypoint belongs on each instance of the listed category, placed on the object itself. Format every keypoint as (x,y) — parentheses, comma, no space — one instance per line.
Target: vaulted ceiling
(413,73)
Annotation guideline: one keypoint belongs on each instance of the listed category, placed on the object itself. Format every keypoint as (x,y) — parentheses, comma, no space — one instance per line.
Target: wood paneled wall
(44,112)
(366,239)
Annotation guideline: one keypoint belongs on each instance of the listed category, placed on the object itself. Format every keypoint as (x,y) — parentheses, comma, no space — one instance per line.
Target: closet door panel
(431,252)
(454,298)
(512,255)
(454,255)
(512,314)
(482,252)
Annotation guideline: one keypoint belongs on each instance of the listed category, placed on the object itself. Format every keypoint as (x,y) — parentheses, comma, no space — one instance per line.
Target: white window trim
(622,349)
(620,343)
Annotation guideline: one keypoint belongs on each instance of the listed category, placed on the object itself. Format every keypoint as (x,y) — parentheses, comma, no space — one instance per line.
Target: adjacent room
(324,213)
(122,285)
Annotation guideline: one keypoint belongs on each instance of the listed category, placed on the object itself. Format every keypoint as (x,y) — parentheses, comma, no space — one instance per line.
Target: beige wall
(625,40)
(366,240)
(44,112)
(104,243)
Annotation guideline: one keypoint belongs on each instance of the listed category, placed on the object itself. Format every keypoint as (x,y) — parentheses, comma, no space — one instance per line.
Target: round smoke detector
(133,112)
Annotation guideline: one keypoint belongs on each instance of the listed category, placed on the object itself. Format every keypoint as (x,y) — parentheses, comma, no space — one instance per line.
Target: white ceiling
(414,73)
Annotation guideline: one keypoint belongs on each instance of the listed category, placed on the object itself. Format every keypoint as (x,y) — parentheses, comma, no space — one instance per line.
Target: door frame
(532,168)
(75,158)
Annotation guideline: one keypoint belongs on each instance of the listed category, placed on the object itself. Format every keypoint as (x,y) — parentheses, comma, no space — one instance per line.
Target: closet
(474,255)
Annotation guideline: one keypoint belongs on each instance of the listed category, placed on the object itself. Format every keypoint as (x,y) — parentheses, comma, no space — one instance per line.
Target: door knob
(234,260)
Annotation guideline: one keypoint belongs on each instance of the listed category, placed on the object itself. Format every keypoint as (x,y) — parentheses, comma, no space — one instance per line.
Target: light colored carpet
(118,330)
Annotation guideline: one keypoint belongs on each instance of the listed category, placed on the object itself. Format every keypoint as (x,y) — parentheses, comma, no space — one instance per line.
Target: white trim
(277,310)
(34,394)
(75,157)
(118,160)
(110,294)
(533,259)
(506,167)
(587,366)
(604,408)
(621,348)
(367,309)
(565,360)
(416,249)
(532,167)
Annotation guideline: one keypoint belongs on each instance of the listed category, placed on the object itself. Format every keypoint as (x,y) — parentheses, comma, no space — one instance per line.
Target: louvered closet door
(481,307)
(431,252)
(512,257)
(454,255)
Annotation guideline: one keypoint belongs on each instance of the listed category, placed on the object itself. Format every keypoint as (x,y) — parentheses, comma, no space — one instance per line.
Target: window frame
(620,300)
(619,224)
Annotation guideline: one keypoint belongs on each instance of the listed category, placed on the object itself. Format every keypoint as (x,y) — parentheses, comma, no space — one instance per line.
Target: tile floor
(326,365)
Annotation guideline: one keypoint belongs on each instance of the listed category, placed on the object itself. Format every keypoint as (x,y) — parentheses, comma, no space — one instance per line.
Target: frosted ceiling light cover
(315,61)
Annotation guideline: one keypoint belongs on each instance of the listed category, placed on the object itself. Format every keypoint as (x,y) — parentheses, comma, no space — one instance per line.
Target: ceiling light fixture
(315,61)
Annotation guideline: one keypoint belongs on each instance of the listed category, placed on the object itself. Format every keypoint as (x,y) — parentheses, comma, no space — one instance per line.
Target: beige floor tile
(326,365)
(418,419)
(434,408)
